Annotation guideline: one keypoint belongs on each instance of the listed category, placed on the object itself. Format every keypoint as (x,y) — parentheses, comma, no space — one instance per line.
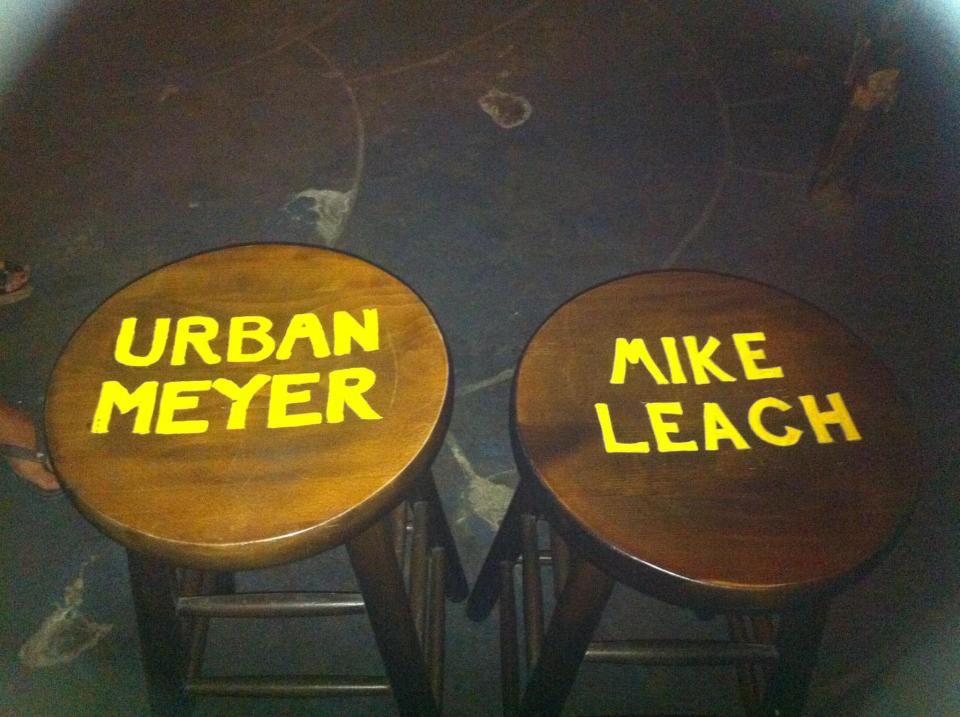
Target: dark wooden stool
(249,407)
(712,442)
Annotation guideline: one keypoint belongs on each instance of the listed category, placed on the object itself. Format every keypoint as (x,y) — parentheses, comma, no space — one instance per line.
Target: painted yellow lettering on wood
(668,436)
(169,408)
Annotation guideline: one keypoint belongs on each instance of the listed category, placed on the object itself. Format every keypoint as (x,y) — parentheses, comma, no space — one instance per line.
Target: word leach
(677,426)
(170,407)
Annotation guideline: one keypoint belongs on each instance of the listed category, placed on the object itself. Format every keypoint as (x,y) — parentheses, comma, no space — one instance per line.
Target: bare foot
(17,429)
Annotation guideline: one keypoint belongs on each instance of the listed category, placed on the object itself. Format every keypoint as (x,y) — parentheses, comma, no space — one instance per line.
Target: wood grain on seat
(754,456)
(193,474)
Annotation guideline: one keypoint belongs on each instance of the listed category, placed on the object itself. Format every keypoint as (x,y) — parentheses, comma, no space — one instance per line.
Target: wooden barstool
(712,442)
(249,407)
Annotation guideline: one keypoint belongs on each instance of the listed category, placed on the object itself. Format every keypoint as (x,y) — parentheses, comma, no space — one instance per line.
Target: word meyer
(717,426)
(249,340)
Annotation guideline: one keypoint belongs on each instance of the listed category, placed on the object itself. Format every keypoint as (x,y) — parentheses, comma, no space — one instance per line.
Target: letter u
(123,352)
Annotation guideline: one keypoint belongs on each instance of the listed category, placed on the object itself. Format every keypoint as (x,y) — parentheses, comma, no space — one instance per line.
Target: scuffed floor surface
(499,157)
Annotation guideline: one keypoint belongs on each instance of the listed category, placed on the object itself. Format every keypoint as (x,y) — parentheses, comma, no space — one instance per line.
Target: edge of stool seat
(709,596)
(298,545)
(683,591)
(279,550)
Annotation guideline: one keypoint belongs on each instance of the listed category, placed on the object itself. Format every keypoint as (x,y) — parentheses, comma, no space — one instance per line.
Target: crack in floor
(501,377)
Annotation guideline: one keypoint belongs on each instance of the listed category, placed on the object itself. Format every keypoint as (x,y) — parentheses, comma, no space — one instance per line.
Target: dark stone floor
(659,135)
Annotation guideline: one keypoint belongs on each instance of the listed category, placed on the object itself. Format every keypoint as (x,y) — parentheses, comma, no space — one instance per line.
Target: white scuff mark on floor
(487,498)
(506,109)
(334,208)
(880,88)
(465,465)
(166,92)
(326,210)
(66,633)
(501,377)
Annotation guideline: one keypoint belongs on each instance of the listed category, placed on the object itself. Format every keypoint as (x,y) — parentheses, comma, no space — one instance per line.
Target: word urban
(159,407)
(717,426)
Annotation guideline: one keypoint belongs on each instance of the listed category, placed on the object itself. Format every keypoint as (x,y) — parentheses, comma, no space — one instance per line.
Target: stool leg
(573,623)
(765,631)
(153,584)
(561,560)
(419,566)
(435,644)
(509,659)
(456,579)
(399,530)
(194,629)
(374,563)
(532,588)
(505,548)
(750,677)
(798,640)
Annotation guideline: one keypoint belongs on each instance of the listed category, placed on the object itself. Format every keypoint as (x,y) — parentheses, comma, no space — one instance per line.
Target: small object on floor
(507,110)
(14,282)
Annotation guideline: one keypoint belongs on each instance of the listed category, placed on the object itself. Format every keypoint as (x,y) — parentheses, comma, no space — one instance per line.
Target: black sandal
(8,450)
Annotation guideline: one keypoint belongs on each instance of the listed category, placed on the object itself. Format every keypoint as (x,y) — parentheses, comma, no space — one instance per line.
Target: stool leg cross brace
(174,608)
(581,589)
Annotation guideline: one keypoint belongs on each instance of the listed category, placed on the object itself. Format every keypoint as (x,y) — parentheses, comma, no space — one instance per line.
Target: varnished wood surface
(256,496)
(762,526)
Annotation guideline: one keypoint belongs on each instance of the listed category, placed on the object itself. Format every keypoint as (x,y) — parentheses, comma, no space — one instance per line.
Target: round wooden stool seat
(711,439)
(248,406)
(707,440)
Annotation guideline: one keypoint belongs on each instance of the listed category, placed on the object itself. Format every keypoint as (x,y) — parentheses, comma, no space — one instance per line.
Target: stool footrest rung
(290,686)
(304,604)
(680,652)
(544,558)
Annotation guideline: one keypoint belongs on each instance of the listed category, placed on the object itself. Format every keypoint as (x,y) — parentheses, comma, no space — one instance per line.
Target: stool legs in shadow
(200,582)
(419,565)
(154,587)
(455,583)
(171,647)
(532,587)
(583,590)
(509,657)
(381,582)
(408,626)
(798,641)
(574,621)
(506,548)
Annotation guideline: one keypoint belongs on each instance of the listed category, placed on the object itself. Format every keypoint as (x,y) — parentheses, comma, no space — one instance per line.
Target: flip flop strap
(25,454)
